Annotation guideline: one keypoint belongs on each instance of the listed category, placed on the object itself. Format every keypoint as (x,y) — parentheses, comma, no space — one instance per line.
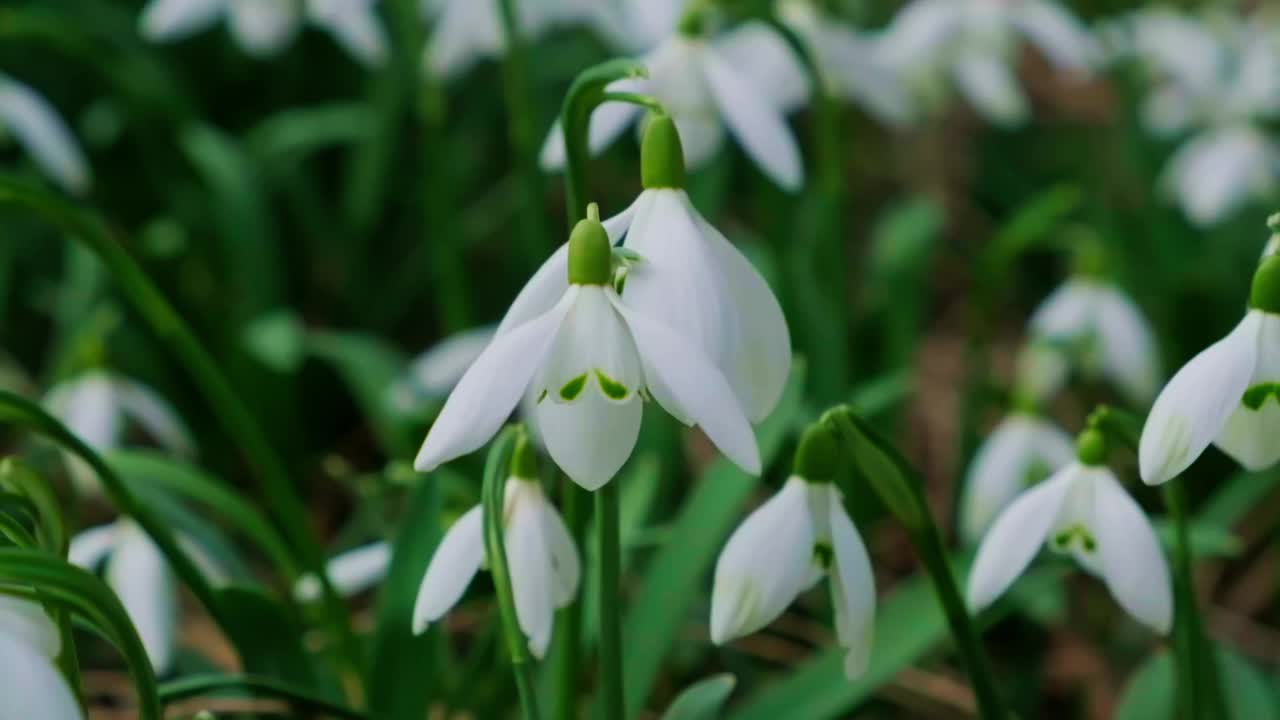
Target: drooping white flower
(782,549)
(1022,450)
(1081,511)
(706,89)
(1042,370)
(974,42)
(589,357)
(351,572)
(264,27)
(1228,395)
(1104,332)
(1219,170)
(32,685)
(38,127)
(693,280)
(541,557)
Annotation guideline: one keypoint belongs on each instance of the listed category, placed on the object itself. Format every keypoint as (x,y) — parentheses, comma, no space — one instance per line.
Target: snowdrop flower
(786,546)
(1081,511)
(1219,170)
(703,83)
(1228,395)
(693,280)
(32,685)
(541,555)
(1042,370)
(1104,331)
(351,572)
(38,128)
(1022,450)
(590,357)
(975,42)
(264,27)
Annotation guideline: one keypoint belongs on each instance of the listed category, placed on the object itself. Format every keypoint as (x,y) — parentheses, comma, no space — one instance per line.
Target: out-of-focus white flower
(32,685)
(36,125)
(1081,511)
(589,356)
(975,43)
(351,572)
(1103,331)
(1042,370)
(264,27)
(1219,170)
(541,556)
(1021,451)
(782,549)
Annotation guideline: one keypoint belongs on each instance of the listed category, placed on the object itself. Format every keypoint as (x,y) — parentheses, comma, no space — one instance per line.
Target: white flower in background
(541,557)
(589,357)
(782,549)
(1042,370)
(435,372)
(1104,332)
(709,84)
(41,132)
(1228,395)
(975,43)
(693,280)
(264,27)
(351,572)
(1021,451)
(1217,171)
(1081,511)
(32,685)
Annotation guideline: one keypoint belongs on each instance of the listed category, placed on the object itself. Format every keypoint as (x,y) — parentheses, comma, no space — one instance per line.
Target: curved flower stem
(521,133)
(608,551)
(567,651)
(895,481)
(495,475)
(587,91)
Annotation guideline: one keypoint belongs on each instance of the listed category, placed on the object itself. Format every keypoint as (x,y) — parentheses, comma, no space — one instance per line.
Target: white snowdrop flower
(1021,451)
(693,280)
(541,557)
(1228,395)
(354,25)
(703,83)
(1081,511)
(1219,170)
(785,547)
(351,572)
(589,358)
(974,42)
(1105,332)
(41,132)
(1042,371)
(32,685)
(435,372)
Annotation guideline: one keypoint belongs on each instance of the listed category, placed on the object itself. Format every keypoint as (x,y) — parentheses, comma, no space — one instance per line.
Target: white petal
(541,292)
(857,67)
(990,86)
(88,407)
(687,97)
(1126,345)
(619,225)
(354,25)
(853,590)
(759,52)
(758,125)
(1214,173)
(590,439)
(142,579)
(1168,110)
(529,560)
(359,569)
(566,565)
(607,122)
(455,562)
(464,32)
(593,346)
(764,565)
(1194,407)
(155,415)
(697,386)
(89,547)
(1016,537)
(921,29)
(40,130)
(1133,564)
(27,621)
(1058,34)
(438,370)
(263,27)
(1019,446)
(165,20)
(653,20)
(31,685)
(490,389)
(1067,312)
(1252,437)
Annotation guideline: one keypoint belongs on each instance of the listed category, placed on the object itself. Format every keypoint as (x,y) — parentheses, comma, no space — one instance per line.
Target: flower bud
(1265,295)
(590,254)
(817,455)
(1091,447)
(661,154)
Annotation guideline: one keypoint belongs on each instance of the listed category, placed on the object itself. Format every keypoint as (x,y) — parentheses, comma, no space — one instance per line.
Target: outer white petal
(590,439)
(754,120)
(1067,312)
(164,20)
(31,685)
(263,27)
(529,559)
(541,293)
(1133,564)
(653,20)
(438,370)
(857,67)
(464,32)
(1215,172)
(142,579)
(592,343)
(88,407)
(27,622)
(1126,345)
(607,122)
(765,564)
(921,30)
(89,547)
(566,565)
(853,590)
(619,225)
(1252,437)
(1000,468)
(155,415)
(1169,110)
(359,569)
(674,79)
(697,386)
(759,52)
(490,389)
(1194,407)
(354,25)
(455,562)
(42,133)
(1016,537)
(1058,34)
(990,86)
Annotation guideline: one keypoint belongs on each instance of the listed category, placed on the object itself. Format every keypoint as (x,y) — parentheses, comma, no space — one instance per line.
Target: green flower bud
(817,455)
(1091,447)
(1266,286)
(661,155)
(590,253)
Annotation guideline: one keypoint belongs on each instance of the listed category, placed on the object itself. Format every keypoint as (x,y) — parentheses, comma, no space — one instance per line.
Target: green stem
(495,474)
(587,91)
(252,686)
(609,554)
(568,642)
(520,130)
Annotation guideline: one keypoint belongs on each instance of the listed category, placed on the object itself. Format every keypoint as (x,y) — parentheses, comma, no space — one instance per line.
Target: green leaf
(1207,541)
(253,687)
(268,637)
(369,366)
(300,131)
(1150,693)
(50,528)
(702,700)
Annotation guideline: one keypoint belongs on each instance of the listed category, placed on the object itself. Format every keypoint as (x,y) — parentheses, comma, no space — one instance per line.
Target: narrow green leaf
(251,686)
(269,638)
(1150,692)
(50,528)
(702,700)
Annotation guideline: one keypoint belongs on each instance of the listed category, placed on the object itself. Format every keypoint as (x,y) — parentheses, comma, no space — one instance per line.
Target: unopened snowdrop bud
(661,154)
(786,546)
(32,685)
(1021,451)
(1081,511)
